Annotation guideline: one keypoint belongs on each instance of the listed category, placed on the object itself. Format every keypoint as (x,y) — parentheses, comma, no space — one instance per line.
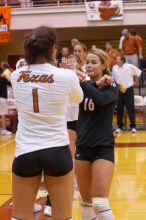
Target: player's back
(41,93)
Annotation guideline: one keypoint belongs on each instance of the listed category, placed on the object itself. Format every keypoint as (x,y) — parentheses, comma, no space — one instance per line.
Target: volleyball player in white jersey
(72,110)
(42,91)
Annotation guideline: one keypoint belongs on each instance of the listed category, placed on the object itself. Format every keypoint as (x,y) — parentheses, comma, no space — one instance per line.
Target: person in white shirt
(121,40)
(41,92)
(126,75)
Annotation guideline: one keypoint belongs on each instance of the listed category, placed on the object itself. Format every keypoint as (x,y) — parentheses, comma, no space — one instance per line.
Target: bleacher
(43,3)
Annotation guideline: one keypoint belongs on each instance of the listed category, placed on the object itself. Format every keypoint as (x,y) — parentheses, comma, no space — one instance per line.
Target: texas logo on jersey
(26,77)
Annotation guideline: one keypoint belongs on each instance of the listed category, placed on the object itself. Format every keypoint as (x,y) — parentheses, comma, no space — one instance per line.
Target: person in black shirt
(95,141)
(3,102)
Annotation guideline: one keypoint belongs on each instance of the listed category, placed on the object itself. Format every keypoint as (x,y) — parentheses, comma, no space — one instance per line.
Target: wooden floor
(128,193)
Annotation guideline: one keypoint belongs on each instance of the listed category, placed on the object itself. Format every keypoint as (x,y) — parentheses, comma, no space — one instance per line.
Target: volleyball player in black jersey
(95,141)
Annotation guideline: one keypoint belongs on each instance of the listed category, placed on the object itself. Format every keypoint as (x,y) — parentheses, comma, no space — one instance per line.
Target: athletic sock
(102,208)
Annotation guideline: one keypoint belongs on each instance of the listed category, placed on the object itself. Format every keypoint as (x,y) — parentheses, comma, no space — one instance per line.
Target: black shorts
(55,161)
(72,125)
(94,153)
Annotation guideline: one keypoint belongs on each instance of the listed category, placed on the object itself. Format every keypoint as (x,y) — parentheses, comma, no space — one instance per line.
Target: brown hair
(123,59)
(39,43)
(4,65)
(76,57)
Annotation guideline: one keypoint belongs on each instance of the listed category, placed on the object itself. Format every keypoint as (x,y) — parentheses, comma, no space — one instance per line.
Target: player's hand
(81,75)
(104,81)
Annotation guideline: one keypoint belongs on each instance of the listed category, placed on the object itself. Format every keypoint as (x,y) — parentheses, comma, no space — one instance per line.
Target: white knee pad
(15,219)
(100,204)
(87,211)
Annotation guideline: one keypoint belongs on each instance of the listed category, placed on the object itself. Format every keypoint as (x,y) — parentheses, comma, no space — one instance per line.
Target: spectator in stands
(139,38)
(65,53)
(126,75)
(6,70)
(26,3)
(112,53)
(3,102)
(131,48)
(63,57)
(134,33)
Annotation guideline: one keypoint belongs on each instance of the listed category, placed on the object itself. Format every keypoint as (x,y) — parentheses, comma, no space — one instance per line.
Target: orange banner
(5,17)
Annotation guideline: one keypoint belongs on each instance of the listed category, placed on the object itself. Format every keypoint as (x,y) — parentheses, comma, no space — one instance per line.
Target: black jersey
(3,87)
(94,126)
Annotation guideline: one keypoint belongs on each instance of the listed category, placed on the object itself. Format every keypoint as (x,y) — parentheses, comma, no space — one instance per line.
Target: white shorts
(3,106)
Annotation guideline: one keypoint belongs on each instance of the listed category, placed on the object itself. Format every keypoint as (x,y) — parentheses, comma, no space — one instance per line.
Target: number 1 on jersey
(35,100)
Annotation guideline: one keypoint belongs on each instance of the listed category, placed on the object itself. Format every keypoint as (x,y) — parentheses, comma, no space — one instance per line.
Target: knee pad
(100,204)
(15,219)
(87,211)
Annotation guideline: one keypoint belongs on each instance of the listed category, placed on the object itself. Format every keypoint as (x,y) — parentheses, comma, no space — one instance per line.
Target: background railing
(43,3)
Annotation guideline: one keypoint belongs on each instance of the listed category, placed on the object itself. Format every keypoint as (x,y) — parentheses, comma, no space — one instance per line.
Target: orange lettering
(43,78)
(25,76)
(50,79)
(34,78)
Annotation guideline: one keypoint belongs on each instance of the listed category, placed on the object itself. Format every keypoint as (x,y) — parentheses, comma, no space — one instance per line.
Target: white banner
(104,10)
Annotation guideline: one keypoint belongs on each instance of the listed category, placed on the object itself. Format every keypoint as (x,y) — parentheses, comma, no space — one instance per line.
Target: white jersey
(41,92)
(72,111)
(123,75)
